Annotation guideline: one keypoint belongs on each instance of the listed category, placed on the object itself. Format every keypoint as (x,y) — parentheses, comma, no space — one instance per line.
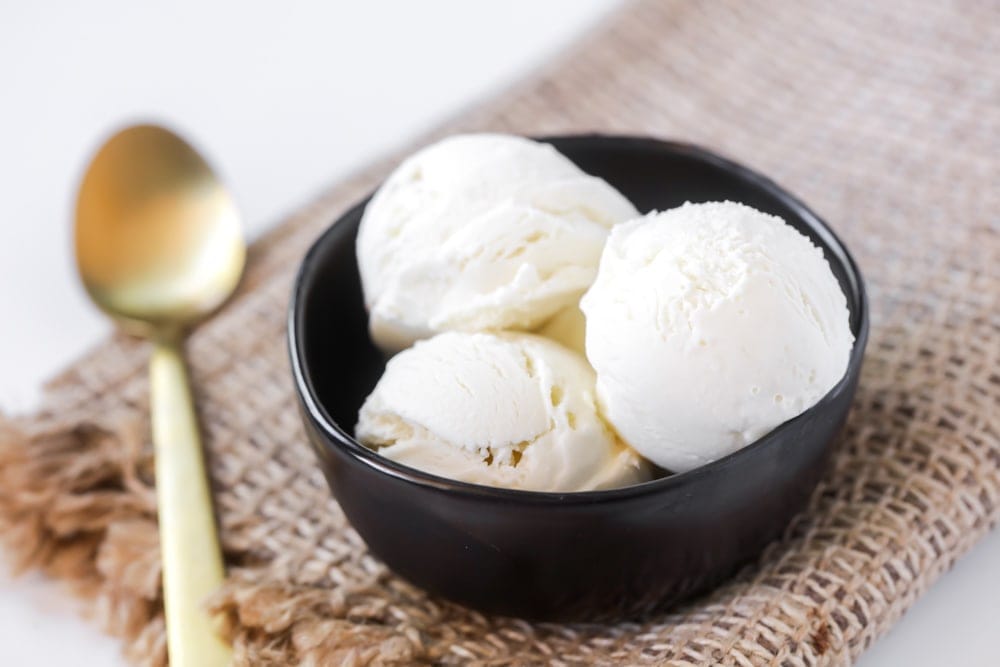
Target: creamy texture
(568,328)
(481,232)
(708,325)
(508,410)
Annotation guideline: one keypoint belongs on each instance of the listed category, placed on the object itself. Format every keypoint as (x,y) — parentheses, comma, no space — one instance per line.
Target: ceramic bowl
(563,556)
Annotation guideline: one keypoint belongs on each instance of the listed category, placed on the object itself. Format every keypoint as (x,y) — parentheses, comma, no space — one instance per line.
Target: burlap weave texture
(884,117)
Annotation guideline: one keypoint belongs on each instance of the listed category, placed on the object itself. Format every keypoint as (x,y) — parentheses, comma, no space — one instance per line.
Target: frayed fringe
(282,625)
(78,504)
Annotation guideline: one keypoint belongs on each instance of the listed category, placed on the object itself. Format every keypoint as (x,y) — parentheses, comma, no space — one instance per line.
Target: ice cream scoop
(508,410)
(708,325)
(481,232)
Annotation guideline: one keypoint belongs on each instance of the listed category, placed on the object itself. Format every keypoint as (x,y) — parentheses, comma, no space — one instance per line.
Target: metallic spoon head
(159,243)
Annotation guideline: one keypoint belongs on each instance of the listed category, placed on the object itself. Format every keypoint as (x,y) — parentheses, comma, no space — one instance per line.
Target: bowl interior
(329,321)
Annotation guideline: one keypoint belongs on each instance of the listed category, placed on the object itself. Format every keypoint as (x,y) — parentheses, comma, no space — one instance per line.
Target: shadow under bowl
(564,556)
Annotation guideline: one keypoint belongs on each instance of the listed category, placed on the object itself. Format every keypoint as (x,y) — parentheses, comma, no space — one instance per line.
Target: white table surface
(284,98)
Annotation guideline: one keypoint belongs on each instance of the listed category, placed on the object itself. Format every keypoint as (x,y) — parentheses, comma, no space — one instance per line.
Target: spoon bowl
(158,238)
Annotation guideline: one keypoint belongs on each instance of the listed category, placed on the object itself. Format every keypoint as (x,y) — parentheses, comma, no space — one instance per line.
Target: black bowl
(563,556)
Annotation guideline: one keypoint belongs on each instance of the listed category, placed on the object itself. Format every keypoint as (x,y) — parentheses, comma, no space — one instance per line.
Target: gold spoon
(159,247)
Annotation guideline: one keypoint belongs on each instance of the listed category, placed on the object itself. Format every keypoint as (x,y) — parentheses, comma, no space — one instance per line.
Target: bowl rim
(335,435)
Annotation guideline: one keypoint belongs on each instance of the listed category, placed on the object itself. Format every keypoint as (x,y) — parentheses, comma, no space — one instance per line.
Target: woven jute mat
(885,117)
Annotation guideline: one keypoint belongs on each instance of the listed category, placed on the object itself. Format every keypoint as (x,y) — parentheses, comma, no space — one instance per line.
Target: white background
(284,98)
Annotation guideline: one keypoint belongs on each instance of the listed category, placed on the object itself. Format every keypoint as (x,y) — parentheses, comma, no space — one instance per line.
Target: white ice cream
(568,328)
(508,410)
(481,232)
(708,326)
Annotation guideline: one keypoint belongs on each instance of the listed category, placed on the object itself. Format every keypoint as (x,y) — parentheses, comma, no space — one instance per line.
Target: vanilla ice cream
(481,232)
(708,325)
(568,328)
(510,410)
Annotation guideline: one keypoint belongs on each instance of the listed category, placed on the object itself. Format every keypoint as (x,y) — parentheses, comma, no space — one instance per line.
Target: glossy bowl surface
(593,555)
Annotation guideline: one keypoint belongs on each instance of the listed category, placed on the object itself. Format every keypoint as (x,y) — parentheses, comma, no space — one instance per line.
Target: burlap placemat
(884,116)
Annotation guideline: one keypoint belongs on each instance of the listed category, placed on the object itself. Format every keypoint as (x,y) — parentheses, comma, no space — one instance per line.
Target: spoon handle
(189,543)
